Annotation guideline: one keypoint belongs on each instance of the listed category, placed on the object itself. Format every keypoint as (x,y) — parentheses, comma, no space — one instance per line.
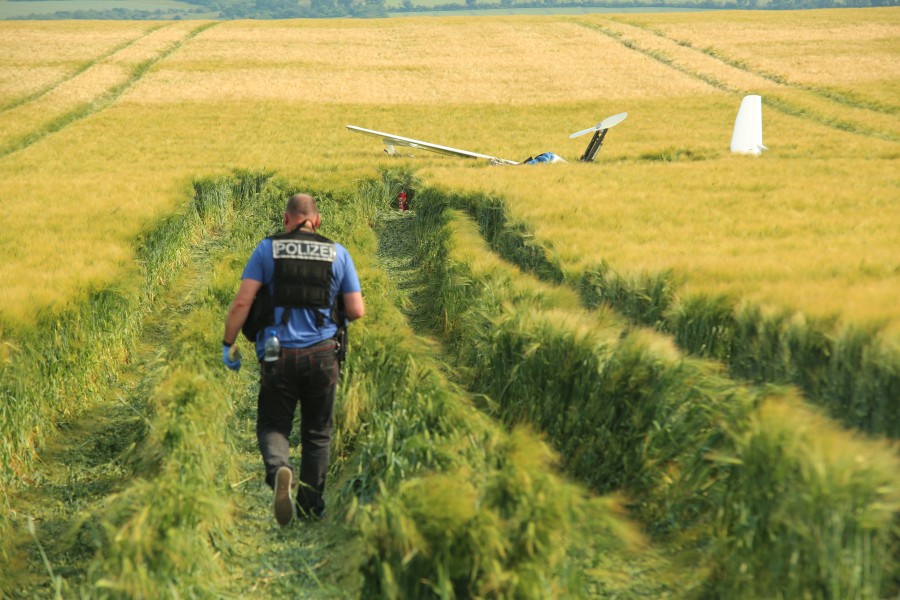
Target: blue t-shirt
(300,330)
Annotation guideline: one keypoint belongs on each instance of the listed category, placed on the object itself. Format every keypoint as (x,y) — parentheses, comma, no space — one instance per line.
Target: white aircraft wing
(391,140)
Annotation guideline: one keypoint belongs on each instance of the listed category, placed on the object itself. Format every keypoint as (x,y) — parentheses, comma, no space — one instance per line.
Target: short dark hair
(302,205)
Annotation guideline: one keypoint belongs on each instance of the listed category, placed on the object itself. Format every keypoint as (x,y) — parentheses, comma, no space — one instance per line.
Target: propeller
(604,124)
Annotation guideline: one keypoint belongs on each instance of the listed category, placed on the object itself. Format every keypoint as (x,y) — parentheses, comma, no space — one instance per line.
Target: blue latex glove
(235,364)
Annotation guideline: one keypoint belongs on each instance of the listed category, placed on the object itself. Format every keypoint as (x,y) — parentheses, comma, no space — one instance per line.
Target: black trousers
(307,376)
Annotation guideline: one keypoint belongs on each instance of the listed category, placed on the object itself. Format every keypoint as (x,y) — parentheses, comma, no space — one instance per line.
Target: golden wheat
(40,54)
(820,47)
(82,89)
(506,61)
(808,224)
(89,85)
(153,43)
(811,236)
(19,81)
(706,64)
(690,59)
(48,42)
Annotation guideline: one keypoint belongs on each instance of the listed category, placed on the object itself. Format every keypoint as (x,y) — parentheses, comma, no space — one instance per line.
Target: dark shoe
(284,506)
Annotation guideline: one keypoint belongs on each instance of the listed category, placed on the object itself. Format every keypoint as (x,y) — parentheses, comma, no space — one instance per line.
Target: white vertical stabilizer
(747,136)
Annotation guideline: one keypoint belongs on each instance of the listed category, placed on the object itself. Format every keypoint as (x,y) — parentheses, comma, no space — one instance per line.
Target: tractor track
(22,140)
(653,569)
(38,94)
(732,77)
(827,94)
(64,519)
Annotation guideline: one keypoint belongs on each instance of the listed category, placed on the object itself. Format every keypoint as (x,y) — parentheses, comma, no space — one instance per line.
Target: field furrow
(41,68)
(730,76)
(752,343)
(669,373)
(754,66)
(847,56)
(628,412)
(92,89)
(53,532)
(114,469)
(148,492)
(647,569)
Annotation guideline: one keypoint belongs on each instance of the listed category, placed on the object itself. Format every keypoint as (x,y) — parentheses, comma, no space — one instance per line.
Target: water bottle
(272,346)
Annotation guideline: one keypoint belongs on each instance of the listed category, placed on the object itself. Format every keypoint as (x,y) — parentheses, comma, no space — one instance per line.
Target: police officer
(306,274)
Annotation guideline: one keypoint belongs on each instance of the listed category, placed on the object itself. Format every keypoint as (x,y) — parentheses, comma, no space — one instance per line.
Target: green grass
(627,412)
(429,496)
(186,498)
(615,406)
(821,357)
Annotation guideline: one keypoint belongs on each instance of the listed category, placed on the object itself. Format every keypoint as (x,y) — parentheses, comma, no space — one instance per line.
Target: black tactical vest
(302,269)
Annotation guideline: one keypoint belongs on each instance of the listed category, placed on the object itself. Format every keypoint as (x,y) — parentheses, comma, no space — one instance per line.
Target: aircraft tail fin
(747,136)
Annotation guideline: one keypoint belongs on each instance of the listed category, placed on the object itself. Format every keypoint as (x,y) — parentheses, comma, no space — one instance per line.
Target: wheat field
(486,406)
(119,116)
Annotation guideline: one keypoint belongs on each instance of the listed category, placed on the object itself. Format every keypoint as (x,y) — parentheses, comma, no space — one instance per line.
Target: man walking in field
(305,275)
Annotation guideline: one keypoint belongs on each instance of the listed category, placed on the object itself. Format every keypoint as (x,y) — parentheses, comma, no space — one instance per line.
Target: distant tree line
(410,6)
(294,9)
(109,14)
(232,9)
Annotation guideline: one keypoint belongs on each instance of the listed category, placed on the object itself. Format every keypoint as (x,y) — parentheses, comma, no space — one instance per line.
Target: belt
(317,347)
